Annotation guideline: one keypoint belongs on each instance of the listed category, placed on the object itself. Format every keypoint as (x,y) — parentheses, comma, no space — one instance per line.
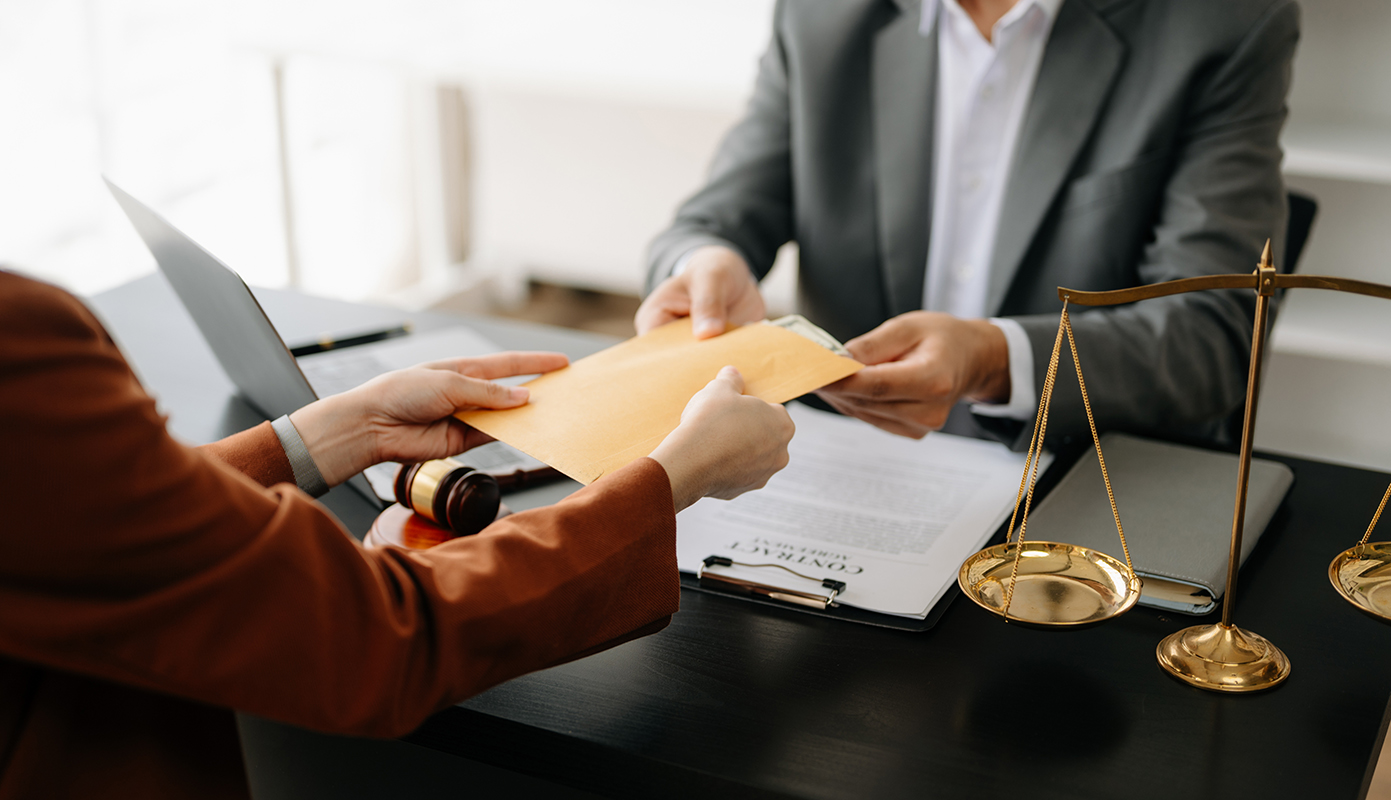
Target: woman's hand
(727,443)
(407,415)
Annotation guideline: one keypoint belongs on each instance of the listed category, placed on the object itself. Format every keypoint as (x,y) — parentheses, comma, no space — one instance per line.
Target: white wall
(570,189)
(587,122)
(1329,370)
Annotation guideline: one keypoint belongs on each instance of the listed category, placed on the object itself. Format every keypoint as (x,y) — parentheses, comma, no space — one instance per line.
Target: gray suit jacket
(1149,152)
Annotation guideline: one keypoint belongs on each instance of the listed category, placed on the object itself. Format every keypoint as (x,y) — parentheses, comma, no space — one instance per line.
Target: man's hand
(727,443)
(919,365)
(407,415)
(715,288)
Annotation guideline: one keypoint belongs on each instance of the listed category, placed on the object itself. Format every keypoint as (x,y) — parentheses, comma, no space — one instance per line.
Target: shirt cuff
(682,262)
(307,475)
(1023,403)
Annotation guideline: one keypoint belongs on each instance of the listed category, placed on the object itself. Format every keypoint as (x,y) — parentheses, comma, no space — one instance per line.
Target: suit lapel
(1078,69)
(904,81)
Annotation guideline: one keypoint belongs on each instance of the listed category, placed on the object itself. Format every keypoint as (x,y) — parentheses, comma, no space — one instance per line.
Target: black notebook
(1175,504)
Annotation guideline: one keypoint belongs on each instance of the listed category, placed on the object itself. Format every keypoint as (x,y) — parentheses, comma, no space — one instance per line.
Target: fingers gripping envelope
(617,405)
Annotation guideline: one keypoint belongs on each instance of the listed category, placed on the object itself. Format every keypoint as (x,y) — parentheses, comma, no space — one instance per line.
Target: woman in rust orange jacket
(147,587)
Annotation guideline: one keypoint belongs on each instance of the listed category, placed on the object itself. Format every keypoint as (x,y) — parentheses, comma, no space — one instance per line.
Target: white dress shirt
(983,90)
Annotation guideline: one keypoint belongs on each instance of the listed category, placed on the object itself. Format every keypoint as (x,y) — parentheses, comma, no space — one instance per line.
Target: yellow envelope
(604,411)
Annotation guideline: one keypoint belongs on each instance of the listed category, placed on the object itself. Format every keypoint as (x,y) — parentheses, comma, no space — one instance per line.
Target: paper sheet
(891,517)
(617,405)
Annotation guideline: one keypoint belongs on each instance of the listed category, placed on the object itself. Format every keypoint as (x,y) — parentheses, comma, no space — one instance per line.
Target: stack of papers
(891,517)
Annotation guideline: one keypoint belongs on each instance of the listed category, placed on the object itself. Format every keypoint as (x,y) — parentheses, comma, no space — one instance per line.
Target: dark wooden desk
(739,700)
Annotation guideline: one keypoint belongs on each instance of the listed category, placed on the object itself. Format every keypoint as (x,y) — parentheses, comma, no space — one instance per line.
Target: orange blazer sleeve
(255,453)
(129,557)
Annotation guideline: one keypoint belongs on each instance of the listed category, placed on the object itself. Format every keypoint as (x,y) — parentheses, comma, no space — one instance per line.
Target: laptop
(259,363)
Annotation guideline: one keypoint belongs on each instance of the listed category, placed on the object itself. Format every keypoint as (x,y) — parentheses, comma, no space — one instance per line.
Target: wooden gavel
(444,499)
(456,497)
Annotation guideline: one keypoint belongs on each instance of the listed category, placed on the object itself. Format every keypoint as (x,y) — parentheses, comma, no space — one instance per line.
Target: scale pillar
(1223,657)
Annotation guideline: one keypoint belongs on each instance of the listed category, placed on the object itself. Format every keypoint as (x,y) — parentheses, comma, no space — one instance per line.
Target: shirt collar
(930,9)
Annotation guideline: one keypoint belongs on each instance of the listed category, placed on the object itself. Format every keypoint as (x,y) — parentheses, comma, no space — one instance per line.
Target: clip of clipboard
(732,585)
(821,604)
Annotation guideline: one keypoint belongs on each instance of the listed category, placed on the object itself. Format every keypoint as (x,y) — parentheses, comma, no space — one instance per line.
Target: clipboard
(821,602)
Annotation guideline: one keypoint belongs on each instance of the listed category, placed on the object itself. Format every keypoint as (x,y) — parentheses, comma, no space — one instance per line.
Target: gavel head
(449,494)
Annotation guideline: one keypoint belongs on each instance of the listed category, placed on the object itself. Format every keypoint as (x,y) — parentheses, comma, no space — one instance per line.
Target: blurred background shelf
(1349,150)
(1328,325)
(1323,394)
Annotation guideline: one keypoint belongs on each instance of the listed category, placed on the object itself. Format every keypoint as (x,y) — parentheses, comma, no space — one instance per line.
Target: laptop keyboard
(335,373)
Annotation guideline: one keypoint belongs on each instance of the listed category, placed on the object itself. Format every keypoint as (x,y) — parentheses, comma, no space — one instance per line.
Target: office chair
(1303,209)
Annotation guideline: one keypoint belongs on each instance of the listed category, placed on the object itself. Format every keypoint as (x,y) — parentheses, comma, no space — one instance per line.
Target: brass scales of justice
(1058,586)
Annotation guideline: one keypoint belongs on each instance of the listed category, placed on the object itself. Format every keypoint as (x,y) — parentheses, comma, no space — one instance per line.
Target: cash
(799,325)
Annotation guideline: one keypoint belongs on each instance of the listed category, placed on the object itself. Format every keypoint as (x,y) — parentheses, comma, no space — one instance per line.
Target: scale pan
(1362,576)
(1058,585)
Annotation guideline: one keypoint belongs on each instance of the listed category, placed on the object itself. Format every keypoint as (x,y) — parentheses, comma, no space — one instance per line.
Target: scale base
(1223,658)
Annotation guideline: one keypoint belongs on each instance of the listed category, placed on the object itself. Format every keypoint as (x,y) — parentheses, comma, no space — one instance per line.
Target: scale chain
(1086,403)
(1031,462)
(1375,517)
(1039,421)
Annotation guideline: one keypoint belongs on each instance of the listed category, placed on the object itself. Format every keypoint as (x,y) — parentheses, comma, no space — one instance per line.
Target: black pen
(328,343)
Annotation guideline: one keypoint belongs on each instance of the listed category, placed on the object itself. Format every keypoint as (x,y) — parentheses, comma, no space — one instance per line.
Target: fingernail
(708,327)
(518,393)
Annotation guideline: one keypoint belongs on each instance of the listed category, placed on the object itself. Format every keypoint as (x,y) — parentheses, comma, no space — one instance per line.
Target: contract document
(891,517)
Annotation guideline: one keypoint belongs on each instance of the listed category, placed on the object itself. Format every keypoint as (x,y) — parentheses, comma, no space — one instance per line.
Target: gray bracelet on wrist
(307,475)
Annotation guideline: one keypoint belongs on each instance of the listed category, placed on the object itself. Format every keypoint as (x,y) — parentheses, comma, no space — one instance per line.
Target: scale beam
(1184,285)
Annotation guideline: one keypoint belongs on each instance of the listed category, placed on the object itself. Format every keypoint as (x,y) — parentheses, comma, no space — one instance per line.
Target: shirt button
(987,91)
(964,271)
(973,182)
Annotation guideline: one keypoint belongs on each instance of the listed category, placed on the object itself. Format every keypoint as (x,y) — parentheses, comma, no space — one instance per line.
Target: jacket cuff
(307,475)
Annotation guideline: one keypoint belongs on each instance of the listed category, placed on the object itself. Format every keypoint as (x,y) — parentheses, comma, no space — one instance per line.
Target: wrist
(681,472)
(332,432)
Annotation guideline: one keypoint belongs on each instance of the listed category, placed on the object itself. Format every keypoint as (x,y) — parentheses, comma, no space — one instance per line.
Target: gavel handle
(527,478)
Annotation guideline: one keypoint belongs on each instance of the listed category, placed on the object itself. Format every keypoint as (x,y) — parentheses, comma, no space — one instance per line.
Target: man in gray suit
(943,161)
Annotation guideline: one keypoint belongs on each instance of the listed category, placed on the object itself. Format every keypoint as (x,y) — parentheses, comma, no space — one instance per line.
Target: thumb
(731,376)
(465,392)
(708,312)
(885,343)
